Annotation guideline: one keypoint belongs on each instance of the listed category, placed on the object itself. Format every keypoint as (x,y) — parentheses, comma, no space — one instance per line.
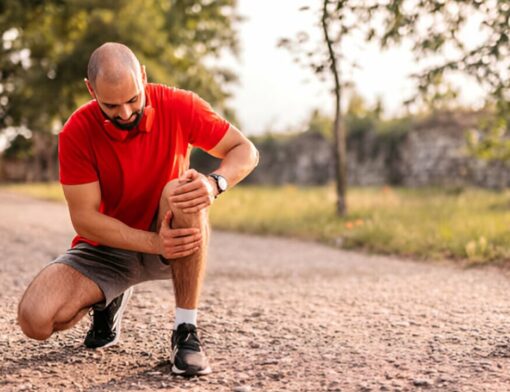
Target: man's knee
(197,219)
(37,308)
(54,298)
(34,321)
(169,188)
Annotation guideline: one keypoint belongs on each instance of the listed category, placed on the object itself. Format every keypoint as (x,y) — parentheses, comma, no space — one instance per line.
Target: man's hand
(177,243)
(194,192)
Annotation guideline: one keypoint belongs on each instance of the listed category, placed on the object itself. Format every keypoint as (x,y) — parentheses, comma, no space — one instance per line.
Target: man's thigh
(58,293)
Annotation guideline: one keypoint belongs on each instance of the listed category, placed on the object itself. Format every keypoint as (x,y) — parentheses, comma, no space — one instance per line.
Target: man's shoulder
(162,94)
(82,118)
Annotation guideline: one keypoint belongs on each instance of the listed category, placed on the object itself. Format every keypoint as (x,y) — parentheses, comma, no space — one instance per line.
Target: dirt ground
(276,315)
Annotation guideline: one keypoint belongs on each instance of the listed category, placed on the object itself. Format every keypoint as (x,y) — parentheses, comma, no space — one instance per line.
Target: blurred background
(382,125)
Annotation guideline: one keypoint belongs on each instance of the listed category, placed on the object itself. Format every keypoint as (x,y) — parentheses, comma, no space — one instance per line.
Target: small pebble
(242,388)
(421,383)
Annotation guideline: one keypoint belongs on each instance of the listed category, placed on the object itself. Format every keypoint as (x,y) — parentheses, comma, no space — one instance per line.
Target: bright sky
(276,94)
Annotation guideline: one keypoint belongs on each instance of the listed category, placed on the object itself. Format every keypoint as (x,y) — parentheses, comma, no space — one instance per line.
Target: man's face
(121,102)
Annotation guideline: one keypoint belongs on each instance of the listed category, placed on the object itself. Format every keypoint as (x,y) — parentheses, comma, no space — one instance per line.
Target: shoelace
(190,341)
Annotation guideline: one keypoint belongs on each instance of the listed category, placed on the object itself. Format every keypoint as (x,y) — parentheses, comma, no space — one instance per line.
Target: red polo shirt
(132,167)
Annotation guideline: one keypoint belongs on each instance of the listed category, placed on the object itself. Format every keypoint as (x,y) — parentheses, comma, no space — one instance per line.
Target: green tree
(359,118)
(19,148)
(337,19)
(357,105)
(437,31)
(320,123)
(321,62)
(46,44)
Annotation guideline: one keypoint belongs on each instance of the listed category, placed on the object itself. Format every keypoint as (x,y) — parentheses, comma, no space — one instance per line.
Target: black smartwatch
(221,183)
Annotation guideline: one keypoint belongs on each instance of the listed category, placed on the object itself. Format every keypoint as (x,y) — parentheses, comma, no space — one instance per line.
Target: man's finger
(183,240)
(192,210)
(185,176)
(194,194)
(188,175)
(175,233)
(167,218)
(187,187)
(175,241)
(184,254)
(184,248)
(197,208)
(192,203)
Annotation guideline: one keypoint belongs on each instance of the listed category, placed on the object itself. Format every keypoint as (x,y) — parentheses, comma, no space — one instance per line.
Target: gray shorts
(114,270)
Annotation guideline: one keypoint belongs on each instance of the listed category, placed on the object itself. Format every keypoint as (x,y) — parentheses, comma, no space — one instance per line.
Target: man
(140,214)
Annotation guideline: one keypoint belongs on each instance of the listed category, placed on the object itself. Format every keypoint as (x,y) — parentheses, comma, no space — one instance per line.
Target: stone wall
(433,152)
(305,160)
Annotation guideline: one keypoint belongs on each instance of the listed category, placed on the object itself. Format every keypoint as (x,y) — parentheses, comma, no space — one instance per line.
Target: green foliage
(359,125)
(321,124)
(20,148)
(489,142)
(357,106)
(274,139)
(434,28)
(361,119)
(438,96)
(395,126)
(46,46)
(388,133)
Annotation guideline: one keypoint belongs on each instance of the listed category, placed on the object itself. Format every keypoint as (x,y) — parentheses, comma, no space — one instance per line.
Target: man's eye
(110,106)
(133,100)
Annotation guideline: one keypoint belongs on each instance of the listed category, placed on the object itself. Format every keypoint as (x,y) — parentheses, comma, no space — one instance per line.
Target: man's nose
(125,112)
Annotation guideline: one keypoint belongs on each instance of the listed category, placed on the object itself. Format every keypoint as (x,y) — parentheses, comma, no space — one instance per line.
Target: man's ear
(144,74)
(89,87)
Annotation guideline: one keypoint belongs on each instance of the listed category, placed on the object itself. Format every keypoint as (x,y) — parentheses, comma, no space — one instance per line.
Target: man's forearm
(109,231)
(238,163)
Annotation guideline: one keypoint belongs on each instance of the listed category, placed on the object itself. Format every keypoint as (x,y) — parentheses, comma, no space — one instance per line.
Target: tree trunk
(339,137)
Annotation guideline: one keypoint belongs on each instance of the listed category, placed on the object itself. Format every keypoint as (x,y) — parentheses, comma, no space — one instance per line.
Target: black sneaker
(105,329)
(188,357)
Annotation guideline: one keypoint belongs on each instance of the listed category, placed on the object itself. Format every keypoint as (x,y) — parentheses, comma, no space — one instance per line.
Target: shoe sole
(123,305)
(189,373)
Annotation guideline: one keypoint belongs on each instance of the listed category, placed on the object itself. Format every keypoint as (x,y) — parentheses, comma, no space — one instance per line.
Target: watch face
(222,183)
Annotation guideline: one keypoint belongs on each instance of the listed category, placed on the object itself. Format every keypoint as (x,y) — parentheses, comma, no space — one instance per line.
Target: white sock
(188,316)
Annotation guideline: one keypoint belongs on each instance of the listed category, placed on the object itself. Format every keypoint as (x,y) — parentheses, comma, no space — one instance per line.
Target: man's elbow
(79,229)
(80,224)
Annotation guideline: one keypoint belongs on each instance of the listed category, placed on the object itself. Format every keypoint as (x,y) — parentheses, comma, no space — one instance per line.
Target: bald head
(111,63)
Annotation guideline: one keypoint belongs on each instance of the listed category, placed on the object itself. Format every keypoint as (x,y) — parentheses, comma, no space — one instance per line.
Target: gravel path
(276,315)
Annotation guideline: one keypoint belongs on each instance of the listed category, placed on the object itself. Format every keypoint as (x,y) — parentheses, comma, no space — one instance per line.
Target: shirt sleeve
(75,158)
(206,127)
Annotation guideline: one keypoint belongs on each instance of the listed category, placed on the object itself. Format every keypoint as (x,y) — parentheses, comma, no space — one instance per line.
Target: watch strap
(217,178)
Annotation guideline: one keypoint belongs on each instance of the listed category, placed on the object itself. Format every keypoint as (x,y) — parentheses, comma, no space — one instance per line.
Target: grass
(471,225)
(45,191)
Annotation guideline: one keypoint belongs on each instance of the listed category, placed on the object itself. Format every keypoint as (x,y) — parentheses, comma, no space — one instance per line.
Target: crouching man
(140,214)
